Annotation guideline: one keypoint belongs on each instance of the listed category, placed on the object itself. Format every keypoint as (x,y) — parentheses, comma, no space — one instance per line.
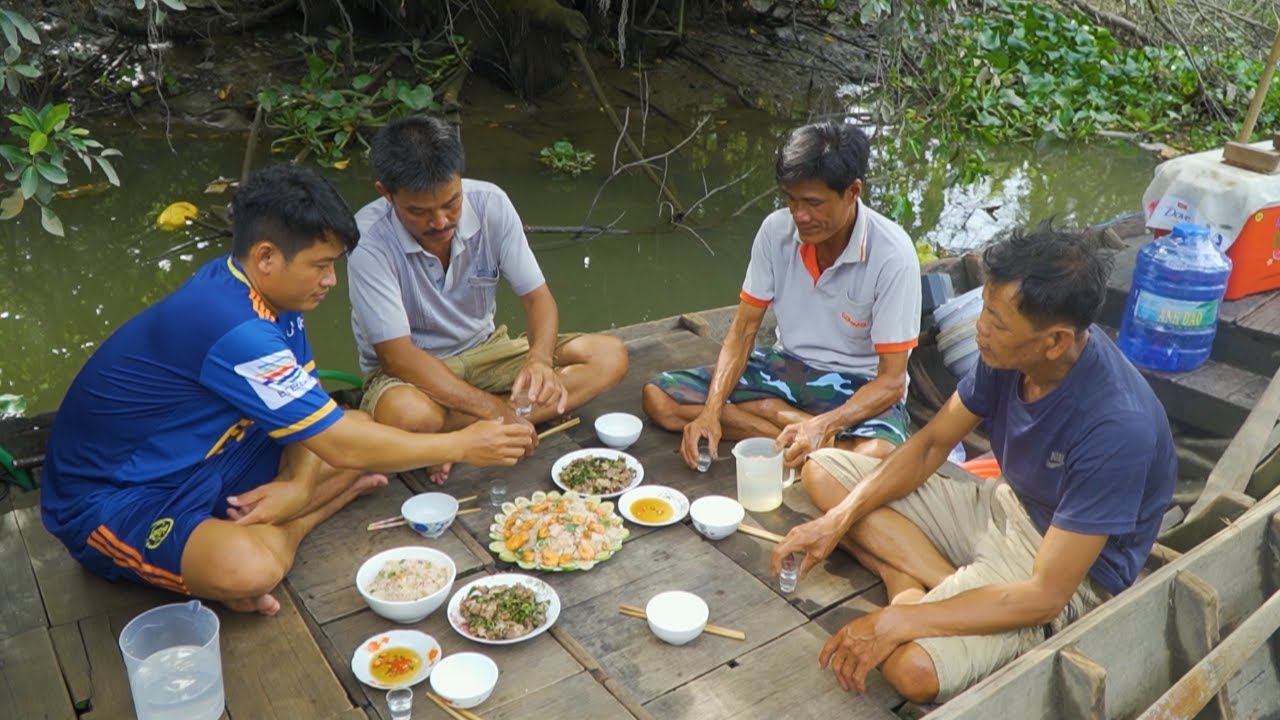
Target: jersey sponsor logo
(1055,461)
(159,531)
(854,323)
(276,378)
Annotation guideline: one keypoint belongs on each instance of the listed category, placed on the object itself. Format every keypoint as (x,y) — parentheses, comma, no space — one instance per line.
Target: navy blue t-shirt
(1093,456)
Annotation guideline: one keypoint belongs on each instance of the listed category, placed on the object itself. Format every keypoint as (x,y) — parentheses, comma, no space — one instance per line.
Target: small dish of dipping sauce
(653,505)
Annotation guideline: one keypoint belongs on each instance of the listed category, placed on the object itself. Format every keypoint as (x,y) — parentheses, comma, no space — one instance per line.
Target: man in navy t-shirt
(979,572)
(196,449)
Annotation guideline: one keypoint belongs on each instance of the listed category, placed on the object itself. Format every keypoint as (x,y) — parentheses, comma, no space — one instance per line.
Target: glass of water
(497,491)
(400,703)
(523,404)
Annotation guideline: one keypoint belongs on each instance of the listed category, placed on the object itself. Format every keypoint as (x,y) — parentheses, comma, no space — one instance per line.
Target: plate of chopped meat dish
(550,531)
(503,609)
(597,472)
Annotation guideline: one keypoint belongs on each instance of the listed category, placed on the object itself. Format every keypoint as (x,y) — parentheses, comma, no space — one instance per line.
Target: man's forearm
(986,610)
(355,445)
(729,365)
(873,398)
(438,382)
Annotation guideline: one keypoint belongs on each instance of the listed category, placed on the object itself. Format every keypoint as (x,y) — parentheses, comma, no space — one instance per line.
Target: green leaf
(109,152)
(57,117)
(361,82)
(139,4)
(37,142)
(419,98)
(29,182)
(22,25)
(109,171)
(26,71)
(12,205)
(79,131)
(52,173)
(175,4)
(12,53)
(332,99)
(49,219)
(10,30)
(14,155)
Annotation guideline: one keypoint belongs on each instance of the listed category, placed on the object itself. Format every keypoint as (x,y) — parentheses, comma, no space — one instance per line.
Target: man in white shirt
(844,284)
(423,285)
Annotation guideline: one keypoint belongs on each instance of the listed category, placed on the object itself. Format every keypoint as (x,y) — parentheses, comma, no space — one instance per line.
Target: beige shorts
(491,366)
(981,527)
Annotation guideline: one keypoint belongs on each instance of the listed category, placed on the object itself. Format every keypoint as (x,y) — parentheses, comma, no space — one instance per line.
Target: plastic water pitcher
(174,663)
(760,469)
(1171,315)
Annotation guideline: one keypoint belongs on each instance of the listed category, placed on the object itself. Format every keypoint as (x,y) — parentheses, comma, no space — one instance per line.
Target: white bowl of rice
(406,584)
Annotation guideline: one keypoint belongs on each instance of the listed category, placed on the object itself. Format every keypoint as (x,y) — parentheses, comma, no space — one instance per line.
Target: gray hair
(832,151)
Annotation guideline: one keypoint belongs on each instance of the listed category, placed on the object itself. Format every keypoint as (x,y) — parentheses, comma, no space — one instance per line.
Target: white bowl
(676,499)
(716,516)
(405,611)
(464,680)
(430,513)
(423,644)
(676,616)
(564,460)
(618,430)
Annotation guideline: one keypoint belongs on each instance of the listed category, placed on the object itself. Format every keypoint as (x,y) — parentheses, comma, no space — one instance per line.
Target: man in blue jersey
(196,449)
(979,572)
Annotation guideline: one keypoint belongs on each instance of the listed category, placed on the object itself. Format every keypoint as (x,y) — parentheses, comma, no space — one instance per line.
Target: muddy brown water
(60,297)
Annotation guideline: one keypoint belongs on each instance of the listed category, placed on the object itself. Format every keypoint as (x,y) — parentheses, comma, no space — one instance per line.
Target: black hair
(1061,275)
(834,152)
(416,153)
(293,207)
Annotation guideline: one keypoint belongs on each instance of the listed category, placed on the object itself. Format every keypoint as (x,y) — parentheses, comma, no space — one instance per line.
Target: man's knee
(660,408)
(911,672)
(823,489)
(239,566)
(609,356)
(408,408)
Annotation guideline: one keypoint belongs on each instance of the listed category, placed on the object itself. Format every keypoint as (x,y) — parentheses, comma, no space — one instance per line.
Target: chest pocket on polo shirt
(483,286)
(855,320)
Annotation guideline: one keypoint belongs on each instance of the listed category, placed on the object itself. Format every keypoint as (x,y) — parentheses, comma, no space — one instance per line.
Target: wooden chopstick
(397,521)
(453,712)
(762,534)
(637,612)
(562,426)
(468,498)
(469,510)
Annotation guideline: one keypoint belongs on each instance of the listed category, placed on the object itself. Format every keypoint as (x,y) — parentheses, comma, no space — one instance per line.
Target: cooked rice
(408,579)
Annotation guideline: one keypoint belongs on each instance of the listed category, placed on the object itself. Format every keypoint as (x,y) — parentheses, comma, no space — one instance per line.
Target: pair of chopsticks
(562,426)
(454,712)
(638,612)
(762,534)
(397,520)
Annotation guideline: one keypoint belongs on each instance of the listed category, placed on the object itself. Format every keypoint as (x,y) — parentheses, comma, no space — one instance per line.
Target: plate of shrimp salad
(557,532)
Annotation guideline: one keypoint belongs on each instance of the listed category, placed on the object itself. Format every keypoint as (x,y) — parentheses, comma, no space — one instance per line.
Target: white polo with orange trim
(866,303)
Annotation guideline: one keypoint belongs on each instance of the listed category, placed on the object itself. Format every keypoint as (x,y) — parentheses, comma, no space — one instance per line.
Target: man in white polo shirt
(423,285)
(844,284)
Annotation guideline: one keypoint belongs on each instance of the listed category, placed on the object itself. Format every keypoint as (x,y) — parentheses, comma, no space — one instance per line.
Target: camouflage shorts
(773,374)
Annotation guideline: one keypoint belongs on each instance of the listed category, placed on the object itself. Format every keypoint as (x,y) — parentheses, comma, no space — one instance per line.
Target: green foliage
(40,141)
(562,157)
(323,112)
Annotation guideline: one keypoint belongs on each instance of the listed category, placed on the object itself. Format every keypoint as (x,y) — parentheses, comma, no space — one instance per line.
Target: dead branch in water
(574,230)
(677,213)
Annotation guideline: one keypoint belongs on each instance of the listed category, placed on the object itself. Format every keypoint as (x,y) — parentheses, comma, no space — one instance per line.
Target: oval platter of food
(395,659)
(503,609)
(558,532)
(598,472)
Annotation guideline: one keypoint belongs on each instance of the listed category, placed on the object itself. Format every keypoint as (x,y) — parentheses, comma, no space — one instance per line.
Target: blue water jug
(1171,315)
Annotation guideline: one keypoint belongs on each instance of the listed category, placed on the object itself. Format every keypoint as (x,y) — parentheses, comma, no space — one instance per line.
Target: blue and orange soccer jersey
(175,400)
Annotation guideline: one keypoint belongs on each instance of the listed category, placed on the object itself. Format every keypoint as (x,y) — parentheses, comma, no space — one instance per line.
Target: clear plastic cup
(174,663)
(497,491)
(400,703)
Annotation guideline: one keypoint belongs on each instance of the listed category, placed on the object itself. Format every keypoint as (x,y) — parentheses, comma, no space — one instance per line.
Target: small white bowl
(405,611)
(430,513)
(618,430)
(671,496)
(716,516)
(676,616)
(423,644)
(464,680)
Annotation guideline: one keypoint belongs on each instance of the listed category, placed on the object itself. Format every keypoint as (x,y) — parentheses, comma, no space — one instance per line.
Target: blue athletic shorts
(139,533)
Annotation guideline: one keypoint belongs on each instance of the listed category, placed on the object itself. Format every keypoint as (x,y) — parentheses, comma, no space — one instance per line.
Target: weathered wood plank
(1236,466)
(1194,624)
(69,647)
(578,696)
(524,667)
(110,697)
(1220,512)
(1083,684)
(69,591)
(324,570)
(20,607)
(674,559)
(31,685)
(780,679)
(601,676)
(272,668)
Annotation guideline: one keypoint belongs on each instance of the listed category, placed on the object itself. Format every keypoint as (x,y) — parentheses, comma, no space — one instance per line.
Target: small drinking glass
(704,456)
(523,403)
(497,491)
(789,574)
(400,703)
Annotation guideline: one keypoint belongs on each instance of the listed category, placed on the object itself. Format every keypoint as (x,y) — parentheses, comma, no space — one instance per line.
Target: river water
(60,297)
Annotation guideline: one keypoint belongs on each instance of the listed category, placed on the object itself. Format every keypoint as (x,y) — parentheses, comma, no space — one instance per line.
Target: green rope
(341,376)
(19,475)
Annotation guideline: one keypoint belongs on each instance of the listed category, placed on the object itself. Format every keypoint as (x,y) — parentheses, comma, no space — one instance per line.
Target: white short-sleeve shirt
(866,303)
(399,289)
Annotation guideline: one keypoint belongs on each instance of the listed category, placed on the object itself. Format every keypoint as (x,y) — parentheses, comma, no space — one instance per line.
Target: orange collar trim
(259,305)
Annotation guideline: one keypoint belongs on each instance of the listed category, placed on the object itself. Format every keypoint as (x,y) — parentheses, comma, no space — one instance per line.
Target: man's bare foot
(265,604)
(439,473)
(910,596)
(367,483)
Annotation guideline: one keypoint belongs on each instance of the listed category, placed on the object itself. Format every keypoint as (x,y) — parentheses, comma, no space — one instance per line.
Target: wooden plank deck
(59,625)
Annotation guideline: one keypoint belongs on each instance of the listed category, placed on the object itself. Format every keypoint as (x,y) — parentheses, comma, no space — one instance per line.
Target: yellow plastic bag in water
(176,215)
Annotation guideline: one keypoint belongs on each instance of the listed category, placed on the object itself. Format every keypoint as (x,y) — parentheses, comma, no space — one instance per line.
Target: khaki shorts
(491,366)
(981,527)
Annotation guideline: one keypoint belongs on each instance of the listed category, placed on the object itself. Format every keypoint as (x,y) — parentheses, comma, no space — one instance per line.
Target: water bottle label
(1189,314)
